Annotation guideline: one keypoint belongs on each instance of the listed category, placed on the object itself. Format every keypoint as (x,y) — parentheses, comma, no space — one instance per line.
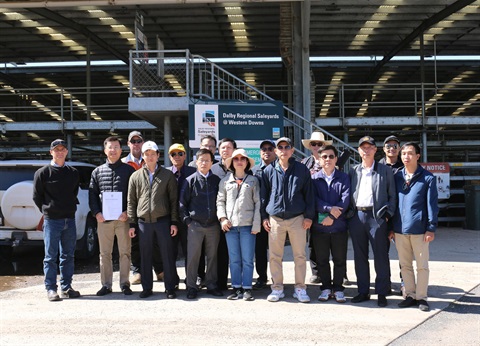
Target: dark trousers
(180,240)
(365,229)
(261,255)
(198,237)
(335,244)
(222,262)
(161,229)
(136,259)
(312,256)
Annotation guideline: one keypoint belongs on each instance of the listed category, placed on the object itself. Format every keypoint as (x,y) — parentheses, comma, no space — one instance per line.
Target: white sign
(441,170)
(112,205)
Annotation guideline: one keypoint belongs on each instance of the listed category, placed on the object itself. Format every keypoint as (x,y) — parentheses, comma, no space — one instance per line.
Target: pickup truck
(20,219)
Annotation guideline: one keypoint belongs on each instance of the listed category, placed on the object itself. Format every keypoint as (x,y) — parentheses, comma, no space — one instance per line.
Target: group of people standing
(230,212)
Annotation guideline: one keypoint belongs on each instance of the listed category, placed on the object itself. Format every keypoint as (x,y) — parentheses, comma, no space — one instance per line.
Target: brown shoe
(137,279)
(160,276)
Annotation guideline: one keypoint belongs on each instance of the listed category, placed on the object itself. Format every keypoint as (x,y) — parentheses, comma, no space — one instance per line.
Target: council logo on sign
(208,117)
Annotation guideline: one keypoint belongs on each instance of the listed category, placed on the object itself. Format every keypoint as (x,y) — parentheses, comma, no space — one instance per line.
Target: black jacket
(198,199)
(109,177)
(55,191)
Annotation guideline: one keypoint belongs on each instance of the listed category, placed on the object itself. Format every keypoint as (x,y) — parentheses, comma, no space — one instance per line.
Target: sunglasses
(265,149)
(136,141)
(286,147)
(324,157)
(241,158)
(316,144)
(391,146)
(180,153)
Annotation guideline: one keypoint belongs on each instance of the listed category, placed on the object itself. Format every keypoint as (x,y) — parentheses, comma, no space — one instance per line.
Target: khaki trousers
(106,236)
(276,243)
(408,247)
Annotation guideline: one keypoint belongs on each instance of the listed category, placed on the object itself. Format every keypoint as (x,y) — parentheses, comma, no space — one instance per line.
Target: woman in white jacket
(238,209)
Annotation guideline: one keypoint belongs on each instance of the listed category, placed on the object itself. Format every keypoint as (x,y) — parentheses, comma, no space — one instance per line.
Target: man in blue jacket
(287,207)
(329,229)
(414,224)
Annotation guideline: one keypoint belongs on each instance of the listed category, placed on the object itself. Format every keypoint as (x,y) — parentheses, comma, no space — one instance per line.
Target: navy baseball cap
(268,141)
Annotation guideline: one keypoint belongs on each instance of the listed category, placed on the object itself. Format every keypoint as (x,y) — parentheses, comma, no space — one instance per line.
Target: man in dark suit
(372,204)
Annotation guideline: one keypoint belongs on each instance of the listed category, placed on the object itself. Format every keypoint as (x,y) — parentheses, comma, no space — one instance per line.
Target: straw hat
(316,137)
(239,152)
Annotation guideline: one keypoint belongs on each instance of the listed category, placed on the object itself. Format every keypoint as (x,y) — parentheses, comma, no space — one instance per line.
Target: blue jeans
(241,250)
(60,236)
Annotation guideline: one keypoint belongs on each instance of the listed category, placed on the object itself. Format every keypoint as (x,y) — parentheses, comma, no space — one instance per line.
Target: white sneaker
(275,296)
(301,295)
(340,297)
(325,295)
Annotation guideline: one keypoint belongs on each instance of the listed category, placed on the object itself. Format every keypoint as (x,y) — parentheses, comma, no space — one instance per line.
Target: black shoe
(346,282)
(104,291)
(53,296)
(70,293)
(126,290)
(237,294)
(192,293)
(215,292)
(259,285)
(171,294)
(145,293)
(423,305)
(389,292)
(247,296)
(222,287)
(407,303)
(382,301)
(361,297)
(314,279)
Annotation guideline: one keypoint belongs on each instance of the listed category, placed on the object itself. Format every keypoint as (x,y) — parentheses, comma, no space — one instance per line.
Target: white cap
(149,145)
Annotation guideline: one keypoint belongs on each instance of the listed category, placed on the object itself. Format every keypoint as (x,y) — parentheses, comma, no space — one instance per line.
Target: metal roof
(66,31)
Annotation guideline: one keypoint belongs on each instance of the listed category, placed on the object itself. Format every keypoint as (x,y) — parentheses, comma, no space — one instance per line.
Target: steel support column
(167,139)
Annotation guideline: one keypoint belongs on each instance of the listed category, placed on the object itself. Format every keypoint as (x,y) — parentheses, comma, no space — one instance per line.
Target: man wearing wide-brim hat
(317,140)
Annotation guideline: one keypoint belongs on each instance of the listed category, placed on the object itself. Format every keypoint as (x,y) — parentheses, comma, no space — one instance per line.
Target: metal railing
(179,73)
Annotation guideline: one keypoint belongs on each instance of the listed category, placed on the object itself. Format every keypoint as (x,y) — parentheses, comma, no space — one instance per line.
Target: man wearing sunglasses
(329,230)
(181,171)
(267,154)
(287,208)
(391,148)
(313,163)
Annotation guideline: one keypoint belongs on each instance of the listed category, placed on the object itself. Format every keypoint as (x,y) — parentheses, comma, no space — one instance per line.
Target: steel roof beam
(54,16)
(447,11)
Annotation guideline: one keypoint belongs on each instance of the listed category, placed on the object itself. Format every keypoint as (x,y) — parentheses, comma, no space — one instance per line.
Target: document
(112,205)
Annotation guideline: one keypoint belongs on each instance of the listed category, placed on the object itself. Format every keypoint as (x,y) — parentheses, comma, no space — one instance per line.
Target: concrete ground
(28,318)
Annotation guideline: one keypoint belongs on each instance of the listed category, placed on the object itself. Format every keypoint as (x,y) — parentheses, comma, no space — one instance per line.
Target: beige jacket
(240,204)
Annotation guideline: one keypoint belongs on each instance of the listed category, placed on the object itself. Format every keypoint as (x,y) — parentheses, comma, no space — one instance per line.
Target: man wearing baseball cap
(372,204)
(391,148)
(153,206)
(55,189)
(134,159)
(287,208)
(181,171)
(268,156)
